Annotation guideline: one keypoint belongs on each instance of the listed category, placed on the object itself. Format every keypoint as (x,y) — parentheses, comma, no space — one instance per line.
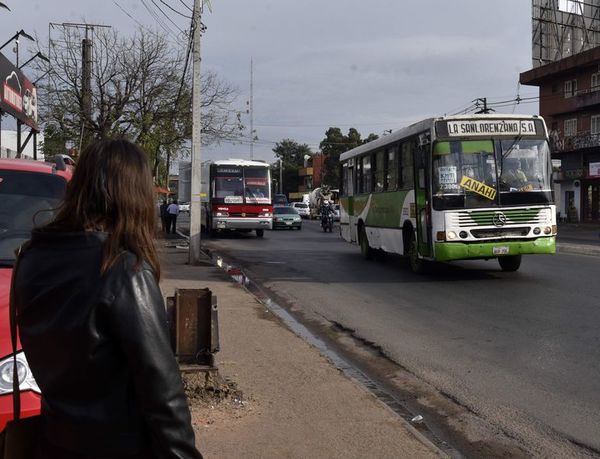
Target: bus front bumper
(448,251)
(241,223)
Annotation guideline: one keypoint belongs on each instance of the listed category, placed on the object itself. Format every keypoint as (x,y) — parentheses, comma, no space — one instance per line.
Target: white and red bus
(236,195)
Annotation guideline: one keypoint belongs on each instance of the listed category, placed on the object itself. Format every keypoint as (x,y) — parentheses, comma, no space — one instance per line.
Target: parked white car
(302,209)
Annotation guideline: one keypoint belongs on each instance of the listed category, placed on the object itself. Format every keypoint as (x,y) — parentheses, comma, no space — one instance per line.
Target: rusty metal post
(193,317)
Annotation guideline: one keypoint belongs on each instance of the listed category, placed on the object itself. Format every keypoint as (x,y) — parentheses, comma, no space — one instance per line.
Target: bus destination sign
(491,127)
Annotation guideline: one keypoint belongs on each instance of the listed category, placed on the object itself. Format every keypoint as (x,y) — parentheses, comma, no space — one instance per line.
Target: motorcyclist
(327,213)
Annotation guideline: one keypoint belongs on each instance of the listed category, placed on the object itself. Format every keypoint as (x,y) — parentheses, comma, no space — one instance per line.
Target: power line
(160,22)
(174,10)
(187,6)
(168,17)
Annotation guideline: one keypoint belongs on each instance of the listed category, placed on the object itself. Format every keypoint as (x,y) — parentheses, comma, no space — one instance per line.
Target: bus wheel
(260,232)
(510,263)
(417,265)
(365,250)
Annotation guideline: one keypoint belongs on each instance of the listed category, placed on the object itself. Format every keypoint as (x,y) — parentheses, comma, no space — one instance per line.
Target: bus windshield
(491,173)
(241,185)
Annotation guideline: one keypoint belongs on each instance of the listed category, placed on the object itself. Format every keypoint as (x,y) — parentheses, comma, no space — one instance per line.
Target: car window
(300,205)
(27,199)
(284,210)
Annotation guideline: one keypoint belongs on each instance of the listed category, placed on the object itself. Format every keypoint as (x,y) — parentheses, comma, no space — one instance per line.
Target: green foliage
(291,154)
(55,141)
(333,145)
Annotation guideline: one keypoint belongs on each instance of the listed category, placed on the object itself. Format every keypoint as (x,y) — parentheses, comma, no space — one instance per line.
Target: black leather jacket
(98,347)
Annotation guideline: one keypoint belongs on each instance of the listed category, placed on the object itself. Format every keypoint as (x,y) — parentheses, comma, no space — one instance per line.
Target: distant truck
(316,199)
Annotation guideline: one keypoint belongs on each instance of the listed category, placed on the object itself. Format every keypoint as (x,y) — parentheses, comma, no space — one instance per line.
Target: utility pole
(86,84)
(485,108)
(196,178)
(251,109)
(86,70)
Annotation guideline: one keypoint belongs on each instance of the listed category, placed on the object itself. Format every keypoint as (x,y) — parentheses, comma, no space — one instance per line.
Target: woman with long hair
(92,319)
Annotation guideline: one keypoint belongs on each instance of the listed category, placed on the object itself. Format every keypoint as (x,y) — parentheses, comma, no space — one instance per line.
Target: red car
(30,192)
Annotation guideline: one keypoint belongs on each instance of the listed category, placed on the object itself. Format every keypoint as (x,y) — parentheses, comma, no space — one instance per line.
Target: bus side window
(358,177)
(407,166)
(367,183)
(379,173)
(391,169)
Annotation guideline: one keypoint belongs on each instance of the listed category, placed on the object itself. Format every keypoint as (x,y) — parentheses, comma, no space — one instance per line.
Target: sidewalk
(580,238)
(293,403)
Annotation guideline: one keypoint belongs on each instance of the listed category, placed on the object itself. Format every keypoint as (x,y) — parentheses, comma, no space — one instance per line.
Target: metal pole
(251,109)
(195,204)
(280,176)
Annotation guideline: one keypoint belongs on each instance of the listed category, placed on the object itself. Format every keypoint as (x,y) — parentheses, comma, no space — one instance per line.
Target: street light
(20,33)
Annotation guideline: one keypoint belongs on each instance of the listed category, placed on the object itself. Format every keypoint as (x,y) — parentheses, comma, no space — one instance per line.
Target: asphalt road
(519,350)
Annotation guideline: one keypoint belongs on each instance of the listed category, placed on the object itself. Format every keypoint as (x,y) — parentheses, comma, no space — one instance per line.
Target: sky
(373,65)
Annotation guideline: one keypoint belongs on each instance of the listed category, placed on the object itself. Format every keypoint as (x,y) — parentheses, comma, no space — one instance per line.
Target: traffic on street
(482,350)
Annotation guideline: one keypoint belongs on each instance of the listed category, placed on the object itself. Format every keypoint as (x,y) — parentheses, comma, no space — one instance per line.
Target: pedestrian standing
(173,211)
(164,216)
(92,319)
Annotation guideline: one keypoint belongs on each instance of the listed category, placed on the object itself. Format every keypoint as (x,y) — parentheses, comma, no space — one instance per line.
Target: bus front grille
(485,233)
(465,219)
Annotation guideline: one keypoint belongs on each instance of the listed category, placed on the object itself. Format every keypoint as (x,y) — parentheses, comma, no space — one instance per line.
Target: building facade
(569,91)
(311,176)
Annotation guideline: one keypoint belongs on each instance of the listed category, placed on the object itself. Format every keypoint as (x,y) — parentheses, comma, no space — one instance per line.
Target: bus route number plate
(500,250)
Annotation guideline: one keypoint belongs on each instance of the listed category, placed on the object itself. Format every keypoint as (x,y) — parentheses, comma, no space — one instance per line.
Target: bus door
(422,201)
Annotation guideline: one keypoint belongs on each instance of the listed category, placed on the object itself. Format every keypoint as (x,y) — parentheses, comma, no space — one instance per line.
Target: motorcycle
(327,220)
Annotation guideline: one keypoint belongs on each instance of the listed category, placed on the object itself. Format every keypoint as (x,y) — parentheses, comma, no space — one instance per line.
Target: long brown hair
(112,190)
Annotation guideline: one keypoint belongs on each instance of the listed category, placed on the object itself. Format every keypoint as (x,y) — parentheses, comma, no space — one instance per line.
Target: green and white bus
(452,188)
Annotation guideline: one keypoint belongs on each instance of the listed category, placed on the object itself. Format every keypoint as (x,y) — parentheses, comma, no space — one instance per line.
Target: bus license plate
(500,250)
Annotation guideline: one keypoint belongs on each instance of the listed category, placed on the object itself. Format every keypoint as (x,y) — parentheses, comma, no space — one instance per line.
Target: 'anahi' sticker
(478,187)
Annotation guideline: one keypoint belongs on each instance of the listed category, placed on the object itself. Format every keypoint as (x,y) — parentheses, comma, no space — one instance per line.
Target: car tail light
(265,214)
(222,214)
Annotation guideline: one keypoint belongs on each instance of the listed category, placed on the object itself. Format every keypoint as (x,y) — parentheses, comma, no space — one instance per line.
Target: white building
(8,145)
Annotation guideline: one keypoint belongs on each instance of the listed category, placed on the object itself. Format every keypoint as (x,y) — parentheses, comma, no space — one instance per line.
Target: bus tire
(365,249)
(260,232)
(510,263)
(417,265)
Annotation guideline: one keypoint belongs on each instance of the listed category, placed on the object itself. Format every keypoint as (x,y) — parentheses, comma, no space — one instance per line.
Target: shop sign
(594,170)
(18,95)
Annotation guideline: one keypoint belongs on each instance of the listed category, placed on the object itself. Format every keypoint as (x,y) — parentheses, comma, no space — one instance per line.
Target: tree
(291,154)
(333,145)
(139,89)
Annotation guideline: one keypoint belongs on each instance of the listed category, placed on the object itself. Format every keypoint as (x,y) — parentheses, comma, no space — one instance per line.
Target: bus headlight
(547,230)
(26,380)
(451,235)
(536,230)
(463,235)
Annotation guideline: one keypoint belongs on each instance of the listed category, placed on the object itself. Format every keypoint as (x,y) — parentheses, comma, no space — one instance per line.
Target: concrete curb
(578,249)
